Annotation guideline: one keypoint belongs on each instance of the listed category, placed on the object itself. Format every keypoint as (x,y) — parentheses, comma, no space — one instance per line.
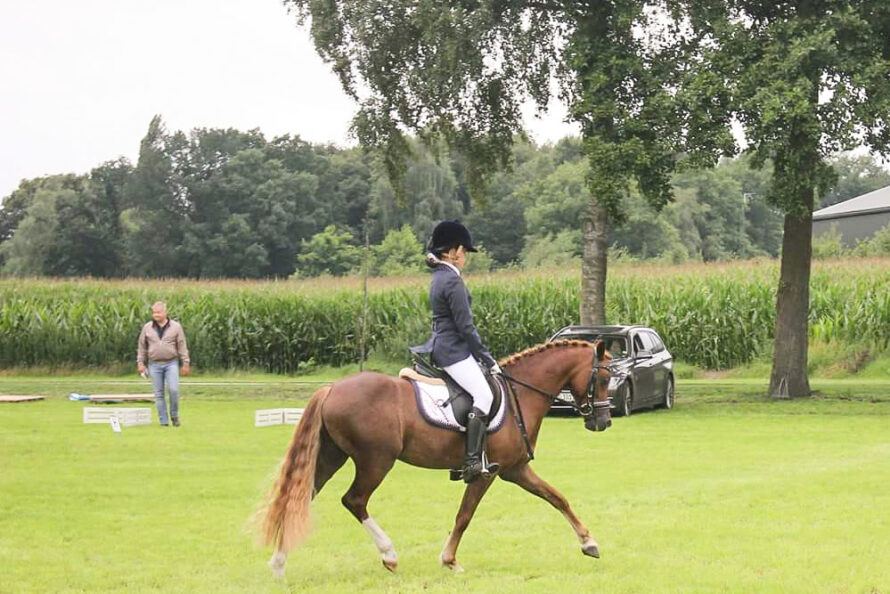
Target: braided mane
(539,348)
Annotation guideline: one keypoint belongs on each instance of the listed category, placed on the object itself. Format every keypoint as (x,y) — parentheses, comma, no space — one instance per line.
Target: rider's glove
(495,369)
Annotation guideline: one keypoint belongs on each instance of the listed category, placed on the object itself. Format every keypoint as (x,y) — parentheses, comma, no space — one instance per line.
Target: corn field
(714,316)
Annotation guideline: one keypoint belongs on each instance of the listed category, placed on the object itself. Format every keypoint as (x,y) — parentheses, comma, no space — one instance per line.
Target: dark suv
(642,368)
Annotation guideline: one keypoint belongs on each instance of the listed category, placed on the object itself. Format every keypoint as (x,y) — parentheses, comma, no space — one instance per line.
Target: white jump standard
(126,416)
(267,417)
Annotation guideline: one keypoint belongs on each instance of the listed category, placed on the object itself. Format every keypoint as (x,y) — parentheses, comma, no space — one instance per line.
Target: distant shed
(857,219)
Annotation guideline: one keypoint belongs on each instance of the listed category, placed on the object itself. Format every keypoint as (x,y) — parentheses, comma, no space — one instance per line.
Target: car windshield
(616,345)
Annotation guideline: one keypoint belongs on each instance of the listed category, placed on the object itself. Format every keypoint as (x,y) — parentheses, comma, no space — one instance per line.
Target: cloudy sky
(81,80)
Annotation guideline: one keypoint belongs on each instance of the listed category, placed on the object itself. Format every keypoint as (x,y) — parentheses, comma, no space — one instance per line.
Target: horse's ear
(600,349)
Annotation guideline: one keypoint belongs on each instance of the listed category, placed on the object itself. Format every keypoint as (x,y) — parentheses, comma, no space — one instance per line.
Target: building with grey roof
(857,219)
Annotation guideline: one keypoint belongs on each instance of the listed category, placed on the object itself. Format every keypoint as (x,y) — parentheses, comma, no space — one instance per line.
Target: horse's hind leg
(369,473)
(330,459)
(472,496)
(526,478)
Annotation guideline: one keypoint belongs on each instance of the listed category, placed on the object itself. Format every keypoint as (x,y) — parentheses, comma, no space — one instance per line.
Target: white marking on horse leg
(588,545)
(384,544)
(277,563)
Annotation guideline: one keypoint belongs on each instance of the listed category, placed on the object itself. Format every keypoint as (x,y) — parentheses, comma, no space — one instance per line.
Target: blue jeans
(159,372)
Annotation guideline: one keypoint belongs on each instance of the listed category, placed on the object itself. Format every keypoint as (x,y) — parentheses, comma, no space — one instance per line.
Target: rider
(456,346)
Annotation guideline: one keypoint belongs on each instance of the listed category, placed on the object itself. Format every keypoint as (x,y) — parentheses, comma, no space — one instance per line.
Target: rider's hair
(433,260)
(434,256)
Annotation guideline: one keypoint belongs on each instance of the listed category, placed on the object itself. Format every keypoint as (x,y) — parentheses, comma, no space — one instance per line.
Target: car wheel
(668,402)
(626,407)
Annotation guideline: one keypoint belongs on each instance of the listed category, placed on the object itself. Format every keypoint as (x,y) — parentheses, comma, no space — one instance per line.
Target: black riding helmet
(449,234)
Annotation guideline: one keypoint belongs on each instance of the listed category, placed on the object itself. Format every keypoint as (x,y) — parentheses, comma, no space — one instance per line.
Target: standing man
(162,341)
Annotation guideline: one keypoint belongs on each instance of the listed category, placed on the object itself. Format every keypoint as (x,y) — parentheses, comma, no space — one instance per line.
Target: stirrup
(488,469)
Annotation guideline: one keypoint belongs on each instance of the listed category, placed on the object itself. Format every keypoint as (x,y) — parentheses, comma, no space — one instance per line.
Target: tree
(27,252)
(15,206)
(155,221)
(89,240)
(329,252)
(400,252)
(712,209)
(807,79)
(86,240)
(344,187)
(856,175)
(556,202)
(551,251)
(459,73)
(272,208)
(501,226)
(500,220)
(430,188)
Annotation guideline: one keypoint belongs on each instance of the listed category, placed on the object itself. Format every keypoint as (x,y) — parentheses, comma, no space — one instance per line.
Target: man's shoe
(164,425)
(176,422)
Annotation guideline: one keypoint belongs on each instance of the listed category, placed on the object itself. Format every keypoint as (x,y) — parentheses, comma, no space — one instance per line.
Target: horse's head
(590,388)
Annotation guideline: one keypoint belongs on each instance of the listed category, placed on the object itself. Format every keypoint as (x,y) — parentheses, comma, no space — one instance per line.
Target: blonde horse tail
(286,522)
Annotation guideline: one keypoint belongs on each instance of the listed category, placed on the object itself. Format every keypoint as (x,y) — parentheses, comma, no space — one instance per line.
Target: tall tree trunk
(593,265)
(789,374)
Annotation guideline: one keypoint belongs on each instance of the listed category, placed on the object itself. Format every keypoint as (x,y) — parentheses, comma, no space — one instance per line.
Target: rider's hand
(140,368)
(495,369)
(186,370)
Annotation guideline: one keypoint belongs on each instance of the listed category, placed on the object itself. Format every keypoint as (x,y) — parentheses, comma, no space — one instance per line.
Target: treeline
(226,203)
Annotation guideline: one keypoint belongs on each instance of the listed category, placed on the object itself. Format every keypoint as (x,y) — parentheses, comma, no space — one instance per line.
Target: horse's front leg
(526,478)
(472,496)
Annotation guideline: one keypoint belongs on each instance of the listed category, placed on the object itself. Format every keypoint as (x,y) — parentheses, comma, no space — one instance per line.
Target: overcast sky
(81,80)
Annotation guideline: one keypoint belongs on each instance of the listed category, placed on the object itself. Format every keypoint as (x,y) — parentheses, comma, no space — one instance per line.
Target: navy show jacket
(454,334)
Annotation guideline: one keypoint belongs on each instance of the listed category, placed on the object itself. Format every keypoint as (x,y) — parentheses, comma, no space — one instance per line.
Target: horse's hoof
(390,564)
(452,565)
(277,563)
(591,550)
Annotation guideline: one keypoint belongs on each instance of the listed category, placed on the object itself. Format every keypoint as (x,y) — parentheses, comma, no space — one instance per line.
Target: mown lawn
(729,492)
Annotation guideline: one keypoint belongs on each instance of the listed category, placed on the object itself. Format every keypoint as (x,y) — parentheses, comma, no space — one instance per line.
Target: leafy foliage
(248,213)
(399,253)
(329,252)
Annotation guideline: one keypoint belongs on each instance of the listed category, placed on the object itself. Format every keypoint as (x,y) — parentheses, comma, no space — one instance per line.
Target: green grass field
(729,492)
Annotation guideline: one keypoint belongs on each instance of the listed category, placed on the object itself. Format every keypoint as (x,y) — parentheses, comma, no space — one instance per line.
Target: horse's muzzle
(597,424)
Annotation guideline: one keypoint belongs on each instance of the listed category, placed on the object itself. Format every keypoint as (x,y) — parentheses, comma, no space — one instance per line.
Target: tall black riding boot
(477,424)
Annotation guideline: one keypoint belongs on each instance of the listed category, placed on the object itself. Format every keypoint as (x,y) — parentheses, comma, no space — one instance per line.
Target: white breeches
(470,377)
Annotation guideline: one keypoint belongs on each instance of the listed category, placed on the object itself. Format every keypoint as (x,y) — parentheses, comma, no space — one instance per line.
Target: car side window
(657,345)
(638,343)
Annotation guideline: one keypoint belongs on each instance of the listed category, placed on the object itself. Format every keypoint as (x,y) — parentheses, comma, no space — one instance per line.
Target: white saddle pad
(432,400)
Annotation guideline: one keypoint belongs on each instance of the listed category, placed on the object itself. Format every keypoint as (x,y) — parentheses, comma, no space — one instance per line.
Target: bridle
(589,406)
(586,409)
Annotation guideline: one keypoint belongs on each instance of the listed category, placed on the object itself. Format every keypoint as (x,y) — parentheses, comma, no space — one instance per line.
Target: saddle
(460,400)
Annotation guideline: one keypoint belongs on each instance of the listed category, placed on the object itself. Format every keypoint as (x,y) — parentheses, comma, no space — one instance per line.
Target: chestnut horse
(374,419)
